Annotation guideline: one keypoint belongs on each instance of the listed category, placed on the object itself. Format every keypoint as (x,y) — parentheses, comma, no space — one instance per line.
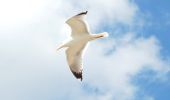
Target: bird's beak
(58,48)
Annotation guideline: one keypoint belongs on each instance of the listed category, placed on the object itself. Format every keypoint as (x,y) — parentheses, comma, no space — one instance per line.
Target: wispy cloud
(32,70)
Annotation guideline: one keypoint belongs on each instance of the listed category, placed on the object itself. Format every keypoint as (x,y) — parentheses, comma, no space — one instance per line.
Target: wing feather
(74,59)
(78,25)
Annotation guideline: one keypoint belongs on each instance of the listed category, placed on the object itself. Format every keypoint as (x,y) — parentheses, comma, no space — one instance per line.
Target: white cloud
(30,69)
(128,59)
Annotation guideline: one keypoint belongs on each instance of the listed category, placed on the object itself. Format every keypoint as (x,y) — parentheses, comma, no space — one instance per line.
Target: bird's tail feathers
(101,35)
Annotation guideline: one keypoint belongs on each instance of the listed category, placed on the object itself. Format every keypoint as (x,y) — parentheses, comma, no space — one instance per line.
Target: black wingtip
(78,75)
(82,13)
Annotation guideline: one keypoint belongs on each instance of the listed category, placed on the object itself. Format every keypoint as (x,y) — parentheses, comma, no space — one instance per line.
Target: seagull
(80,36)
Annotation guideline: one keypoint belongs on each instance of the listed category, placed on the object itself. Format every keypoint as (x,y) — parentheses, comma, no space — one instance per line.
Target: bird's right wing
(78,24)
(74,59)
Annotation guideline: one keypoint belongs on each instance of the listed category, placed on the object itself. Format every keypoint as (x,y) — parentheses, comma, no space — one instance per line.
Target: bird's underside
(75,48)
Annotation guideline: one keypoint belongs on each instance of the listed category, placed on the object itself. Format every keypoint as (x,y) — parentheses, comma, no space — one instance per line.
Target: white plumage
(76,46)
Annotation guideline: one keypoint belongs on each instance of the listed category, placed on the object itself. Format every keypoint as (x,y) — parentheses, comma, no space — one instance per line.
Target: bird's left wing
(78,24)
(74,59)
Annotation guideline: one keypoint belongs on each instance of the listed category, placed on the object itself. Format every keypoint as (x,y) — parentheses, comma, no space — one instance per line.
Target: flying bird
(80,36)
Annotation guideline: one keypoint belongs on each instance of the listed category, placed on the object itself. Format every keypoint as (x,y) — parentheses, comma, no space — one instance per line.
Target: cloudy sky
(132,64)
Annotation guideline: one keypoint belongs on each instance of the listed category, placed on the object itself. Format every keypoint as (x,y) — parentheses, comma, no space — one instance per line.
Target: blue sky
(133,63)
(159,17)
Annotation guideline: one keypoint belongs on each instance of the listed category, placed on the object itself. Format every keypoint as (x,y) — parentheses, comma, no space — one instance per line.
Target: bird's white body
(76,46)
